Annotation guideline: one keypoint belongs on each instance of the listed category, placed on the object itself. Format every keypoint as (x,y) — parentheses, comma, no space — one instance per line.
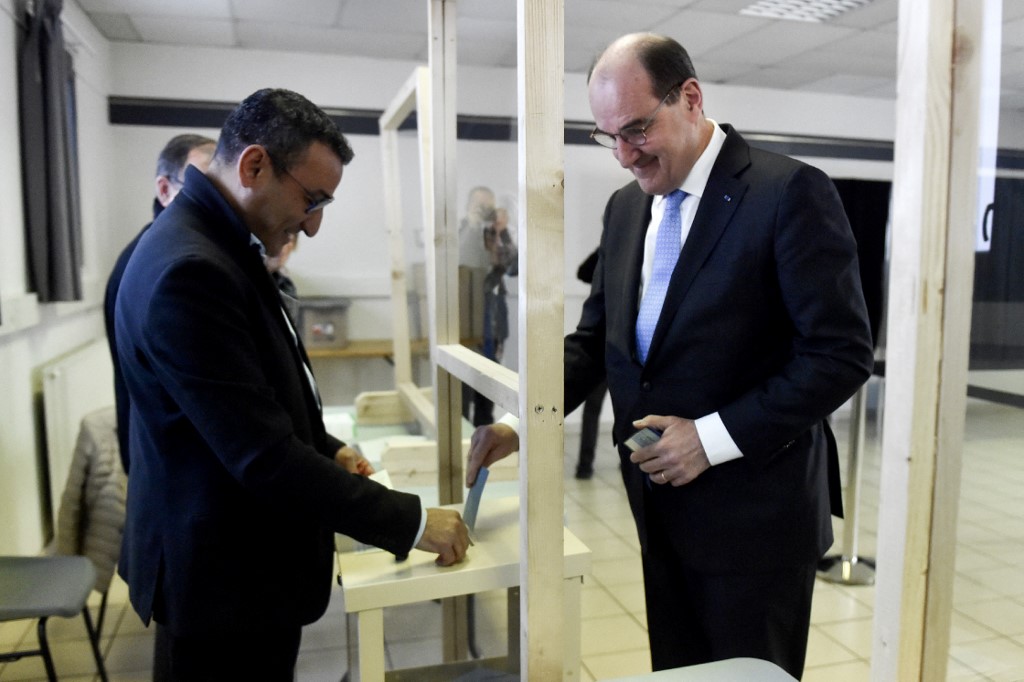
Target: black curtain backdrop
(49,163)
(997,320)
(866,203)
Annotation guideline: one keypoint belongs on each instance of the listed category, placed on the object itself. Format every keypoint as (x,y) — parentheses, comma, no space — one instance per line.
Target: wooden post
(540,47)
(389,122)
(442,288)
(931,274)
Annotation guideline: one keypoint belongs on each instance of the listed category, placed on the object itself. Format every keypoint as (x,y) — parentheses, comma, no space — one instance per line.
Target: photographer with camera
(486,248)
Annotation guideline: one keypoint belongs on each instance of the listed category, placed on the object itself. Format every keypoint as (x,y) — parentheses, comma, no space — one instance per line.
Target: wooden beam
(931,275)
(381,407)
(498,383)
(442,285)
(540,75)
(396,112)
(417,401)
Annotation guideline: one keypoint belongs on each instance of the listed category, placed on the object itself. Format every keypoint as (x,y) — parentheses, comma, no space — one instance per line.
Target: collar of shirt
(693,185)
(697,180)
(255,241)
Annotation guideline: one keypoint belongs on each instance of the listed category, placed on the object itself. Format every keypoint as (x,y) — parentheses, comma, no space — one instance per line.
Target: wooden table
(730,670)
(373,580)
(378,348)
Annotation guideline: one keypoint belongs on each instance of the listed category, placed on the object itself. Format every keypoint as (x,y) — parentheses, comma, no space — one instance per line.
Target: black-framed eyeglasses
(635,135)
(314,203)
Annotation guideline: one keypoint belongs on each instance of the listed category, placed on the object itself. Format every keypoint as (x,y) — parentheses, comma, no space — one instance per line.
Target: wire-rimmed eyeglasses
(635,135)
(314,203)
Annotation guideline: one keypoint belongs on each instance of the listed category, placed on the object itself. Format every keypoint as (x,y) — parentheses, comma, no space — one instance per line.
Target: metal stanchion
(848,568)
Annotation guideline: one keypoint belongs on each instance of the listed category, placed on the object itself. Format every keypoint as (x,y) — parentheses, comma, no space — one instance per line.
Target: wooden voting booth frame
(536,393)
(930,283)
(929,307)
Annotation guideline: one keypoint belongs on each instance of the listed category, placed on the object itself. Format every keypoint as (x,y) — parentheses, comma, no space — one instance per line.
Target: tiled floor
(987,641)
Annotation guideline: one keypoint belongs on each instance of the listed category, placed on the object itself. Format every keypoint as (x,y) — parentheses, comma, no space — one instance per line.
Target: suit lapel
(271,297)
(633,259)
(722,196)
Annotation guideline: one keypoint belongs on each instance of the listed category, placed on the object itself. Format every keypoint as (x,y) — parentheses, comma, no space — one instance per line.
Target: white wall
(349,257)
(33,334)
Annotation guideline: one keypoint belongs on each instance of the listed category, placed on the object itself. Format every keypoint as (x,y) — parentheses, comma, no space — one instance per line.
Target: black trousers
(483,409)
(268,656)
(695,617)
(590,425)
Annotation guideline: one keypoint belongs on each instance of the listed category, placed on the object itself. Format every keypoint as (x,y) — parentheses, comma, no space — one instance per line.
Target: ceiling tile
(626,17)
(485,9)
(778,40)
(406,16)
(199,9)
(1013,9)
(722,72)
(1013,33)
(721,6)
(872,15)
(180,31)
(845,84)
(856,50)
(316,12)
(117,27)
(258,35)
(786,78)
(865,44)
(1011,68)
(484,42)
(592,39)
(885,90)
(700,32)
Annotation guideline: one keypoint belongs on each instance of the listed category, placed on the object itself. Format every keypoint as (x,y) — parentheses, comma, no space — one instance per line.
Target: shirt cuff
(510,420)
(423,527)
(718,444)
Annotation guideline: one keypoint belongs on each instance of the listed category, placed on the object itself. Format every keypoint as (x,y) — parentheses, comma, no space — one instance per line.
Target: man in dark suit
(179,153)
(761,334)
(235,492)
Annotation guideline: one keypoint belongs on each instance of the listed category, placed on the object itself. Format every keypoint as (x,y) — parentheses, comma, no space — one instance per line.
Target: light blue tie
(666,253)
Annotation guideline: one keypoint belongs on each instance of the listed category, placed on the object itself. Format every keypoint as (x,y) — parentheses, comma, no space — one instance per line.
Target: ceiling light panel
(802,10)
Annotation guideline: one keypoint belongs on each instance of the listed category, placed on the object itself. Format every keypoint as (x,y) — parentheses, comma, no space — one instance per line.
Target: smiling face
(622,95)
(278,201)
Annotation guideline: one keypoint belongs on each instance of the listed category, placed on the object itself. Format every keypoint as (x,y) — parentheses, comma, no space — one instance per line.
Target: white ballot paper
(472,505)
(382,477)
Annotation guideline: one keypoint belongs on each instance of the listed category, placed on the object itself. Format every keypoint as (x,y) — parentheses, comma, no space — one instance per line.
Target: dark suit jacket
(233,496)
(764,322)
(122,400)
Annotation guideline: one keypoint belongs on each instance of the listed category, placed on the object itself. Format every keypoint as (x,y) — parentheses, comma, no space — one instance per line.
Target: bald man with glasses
(727,316)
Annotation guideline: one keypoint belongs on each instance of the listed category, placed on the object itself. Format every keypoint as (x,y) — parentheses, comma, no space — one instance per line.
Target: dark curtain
(49,163)
(866,203)
(997,320)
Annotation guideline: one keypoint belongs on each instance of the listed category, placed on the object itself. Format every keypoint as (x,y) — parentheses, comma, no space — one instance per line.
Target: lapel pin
(728,197)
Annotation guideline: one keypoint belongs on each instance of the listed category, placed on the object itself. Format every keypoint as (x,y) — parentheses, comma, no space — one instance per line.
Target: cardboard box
(323,321)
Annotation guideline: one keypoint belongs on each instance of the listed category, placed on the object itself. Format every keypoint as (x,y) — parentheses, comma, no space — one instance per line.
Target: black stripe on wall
(198,114)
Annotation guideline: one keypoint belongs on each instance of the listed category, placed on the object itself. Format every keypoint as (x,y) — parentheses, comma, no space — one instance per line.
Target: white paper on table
(382,477)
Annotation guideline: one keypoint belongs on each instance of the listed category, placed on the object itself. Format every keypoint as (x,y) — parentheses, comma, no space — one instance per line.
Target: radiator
(73,386)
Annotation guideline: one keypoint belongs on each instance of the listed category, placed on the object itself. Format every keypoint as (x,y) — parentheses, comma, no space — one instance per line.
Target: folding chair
(40,587)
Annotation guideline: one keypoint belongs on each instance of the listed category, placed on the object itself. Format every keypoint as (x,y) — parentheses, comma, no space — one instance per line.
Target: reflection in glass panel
(485,193)
(987,593)
(997,326)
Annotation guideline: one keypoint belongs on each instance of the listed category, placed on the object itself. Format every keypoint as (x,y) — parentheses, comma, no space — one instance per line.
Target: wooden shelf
(376,348)
(365,348)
